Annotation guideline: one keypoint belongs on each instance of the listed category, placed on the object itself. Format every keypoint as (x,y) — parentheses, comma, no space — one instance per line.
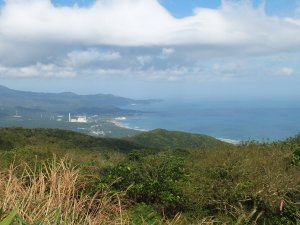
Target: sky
(152,48)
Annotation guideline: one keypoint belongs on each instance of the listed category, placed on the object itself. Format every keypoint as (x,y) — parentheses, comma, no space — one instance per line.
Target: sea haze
(237,120)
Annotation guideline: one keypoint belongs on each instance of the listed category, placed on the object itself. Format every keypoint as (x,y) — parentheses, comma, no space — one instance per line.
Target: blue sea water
(237,120)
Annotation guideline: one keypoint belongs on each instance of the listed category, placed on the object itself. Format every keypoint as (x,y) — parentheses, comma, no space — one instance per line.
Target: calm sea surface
(236,120)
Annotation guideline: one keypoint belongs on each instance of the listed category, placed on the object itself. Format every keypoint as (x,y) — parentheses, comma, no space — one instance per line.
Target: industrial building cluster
(77,119)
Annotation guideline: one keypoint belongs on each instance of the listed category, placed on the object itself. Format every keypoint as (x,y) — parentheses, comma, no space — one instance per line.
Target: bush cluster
(150,178)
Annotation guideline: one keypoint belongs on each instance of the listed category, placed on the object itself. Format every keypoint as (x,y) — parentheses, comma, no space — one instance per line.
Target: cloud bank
(138,36)
(145,22)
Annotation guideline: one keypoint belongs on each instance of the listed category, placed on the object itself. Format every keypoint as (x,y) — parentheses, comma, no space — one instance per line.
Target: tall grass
(54,194)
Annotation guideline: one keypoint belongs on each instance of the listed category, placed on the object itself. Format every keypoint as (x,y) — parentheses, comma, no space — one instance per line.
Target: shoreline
(116,122)
(230,141)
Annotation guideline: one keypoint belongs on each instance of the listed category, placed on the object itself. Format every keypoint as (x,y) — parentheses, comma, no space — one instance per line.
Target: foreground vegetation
(61,177)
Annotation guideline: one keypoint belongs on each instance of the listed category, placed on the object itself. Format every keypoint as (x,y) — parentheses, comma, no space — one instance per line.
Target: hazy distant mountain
(64,102)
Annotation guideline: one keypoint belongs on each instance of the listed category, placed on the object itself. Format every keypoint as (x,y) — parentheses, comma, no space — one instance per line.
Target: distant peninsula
(66,102)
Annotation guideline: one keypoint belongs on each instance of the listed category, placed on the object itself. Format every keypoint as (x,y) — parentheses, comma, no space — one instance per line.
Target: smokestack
(69,117)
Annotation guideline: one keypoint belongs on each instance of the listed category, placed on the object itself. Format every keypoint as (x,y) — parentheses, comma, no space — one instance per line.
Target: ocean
(235,120)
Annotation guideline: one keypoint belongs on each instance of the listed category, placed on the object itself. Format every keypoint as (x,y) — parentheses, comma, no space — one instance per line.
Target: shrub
(296,157)
(153,179)
(144,214)
(246,183)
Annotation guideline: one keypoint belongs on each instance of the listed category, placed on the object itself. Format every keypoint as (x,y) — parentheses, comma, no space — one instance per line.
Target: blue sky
(149,48)
(180,8)
(185,8)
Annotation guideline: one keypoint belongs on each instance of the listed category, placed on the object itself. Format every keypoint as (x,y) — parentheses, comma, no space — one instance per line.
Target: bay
(261,120)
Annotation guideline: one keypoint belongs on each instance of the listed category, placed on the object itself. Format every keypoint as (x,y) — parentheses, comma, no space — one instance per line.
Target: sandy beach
(118,122)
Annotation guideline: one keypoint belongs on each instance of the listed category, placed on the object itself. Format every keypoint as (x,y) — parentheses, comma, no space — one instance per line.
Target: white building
(59,118)
(81,119)
(77,119)
(17,115)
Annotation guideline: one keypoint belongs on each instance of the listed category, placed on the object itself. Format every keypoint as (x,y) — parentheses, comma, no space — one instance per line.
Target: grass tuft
(54,194)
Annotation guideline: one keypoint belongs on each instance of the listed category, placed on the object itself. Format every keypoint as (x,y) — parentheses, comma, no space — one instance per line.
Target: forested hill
(161,138)
(11,138)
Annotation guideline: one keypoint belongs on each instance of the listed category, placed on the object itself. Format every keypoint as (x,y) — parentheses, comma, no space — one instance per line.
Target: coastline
(230,141)
(117,122)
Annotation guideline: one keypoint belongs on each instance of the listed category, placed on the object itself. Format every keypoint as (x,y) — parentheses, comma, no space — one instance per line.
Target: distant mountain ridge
(65,101)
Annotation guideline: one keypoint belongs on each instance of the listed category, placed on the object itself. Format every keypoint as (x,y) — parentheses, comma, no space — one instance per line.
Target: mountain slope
(63,102)
(161,138)
(12,138)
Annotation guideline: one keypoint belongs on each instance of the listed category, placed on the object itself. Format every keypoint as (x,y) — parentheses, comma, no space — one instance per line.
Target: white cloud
(285,71)
(167,51)
(65,71)
(131,23)
(37,70)
(230,70)
(144,59)
(130,37)
(76,58)
(105,22)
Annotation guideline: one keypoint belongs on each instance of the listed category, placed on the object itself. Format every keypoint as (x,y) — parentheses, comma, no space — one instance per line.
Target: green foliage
(152,179)
(9,219)
(144,214)
(246,183)
(163,139)
(33,146)
(163,174)
(18,137)
(5,144)
(296,157)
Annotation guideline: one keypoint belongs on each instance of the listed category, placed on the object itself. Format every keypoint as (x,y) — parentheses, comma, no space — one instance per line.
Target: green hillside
(161,138)
(11,138)
(158,177)
(29,145)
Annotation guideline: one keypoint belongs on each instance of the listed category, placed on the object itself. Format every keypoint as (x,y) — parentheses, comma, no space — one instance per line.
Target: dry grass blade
(56,187)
